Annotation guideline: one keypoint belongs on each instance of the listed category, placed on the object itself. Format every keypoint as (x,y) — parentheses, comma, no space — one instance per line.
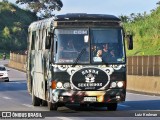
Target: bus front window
(71,46)
(107,45)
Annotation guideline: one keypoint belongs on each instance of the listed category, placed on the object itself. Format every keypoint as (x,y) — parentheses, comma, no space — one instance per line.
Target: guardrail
(17,61)
(18,58)
(143,65)
(143,72)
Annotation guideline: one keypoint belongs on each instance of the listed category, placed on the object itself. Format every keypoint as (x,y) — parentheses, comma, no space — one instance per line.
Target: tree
(124,18)
(158,3)
(44,7)
(6,32)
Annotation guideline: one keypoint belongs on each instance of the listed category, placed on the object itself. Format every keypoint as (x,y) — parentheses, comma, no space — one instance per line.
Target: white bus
(77,58)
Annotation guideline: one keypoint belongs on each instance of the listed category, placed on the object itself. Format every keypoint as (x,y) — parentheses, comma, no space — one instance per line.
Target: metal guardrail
(19,58)
(144,65)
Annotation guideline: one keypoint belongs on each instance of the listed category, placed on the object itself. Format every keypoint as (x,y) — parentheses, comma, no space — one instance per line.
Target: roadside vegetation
(146,32)
(14,23)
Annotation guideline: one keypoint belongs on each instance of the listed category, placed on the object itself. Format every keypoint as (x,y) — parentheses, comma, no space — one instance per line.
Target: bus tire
(112,106)
(35,100)
(44,103)
(52,106)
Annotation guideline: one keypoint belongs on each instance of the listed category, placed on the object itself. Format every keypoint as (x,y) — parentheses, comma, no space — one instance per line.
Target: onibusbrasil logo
(21,115)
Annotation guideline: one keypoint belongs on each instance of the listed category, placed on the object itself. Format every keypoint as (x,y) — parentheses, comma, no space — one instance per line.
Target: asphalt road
(14,97)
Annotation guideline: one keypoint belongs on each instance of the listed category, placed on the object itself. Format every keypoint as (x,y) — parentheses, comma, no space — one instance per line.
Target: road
(14,97)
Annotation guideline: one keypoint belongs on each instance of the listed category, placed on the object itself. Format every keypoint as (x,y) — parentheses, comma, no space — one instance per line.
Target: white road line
(143,94)
(27,105)
(15,82)
(8,98)
(123,105)
(64,118)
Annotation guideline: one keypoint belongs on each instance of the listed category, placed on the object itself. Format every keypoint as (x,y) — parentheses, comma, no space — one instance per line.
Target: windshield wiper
(79,56)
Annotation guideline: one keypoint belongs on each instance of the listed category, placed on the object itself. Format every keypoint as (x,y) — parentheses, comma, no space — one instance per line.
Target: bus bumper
(70,96)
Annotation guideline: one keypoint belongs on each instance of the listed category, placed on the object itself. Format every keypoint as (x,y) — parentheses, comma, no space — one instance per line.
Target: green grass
(7,56)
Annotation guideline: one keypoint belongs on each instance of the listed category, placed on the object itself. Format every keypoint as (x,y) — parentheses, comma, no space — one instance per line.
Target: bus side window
(40,39)
(37,39)
(43,38)
(33,41)
(48,40)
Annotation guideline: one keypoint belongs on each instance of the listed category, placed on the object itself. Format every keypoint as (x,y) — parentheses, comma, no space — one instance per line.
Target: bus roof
(74,17)
(84,16)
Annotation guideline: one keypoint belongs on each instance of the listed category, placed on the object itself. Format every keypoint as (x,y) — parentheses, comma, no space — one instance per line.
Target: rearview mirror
(129,42)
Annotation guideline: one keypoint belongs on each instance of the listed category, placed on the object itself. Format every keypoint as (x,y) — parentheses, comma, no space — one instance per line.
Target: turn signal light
(53,85)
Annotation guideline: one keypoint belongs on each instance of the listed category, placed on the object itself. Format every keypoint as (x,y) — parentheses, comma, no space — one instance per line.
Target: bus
(77,58)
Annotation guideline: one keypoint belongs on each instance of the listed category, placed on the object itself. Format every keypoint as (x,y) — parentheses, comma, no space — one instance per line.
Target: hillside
(146,33)
(14,23)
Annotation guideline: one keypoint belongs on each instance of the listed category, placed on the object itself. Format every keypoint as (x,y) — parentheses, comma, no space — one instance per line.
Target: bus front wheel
(112,106)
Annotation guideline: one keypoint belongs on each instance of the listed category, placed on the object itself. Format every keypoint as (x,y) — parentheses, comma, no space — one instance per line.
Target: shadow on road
(127,106)
(13,86)
(132,107)
(143,105)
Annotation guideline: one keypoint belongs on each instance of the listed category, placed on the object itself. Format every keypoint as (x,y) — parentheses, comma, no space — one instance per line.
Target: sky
(114,7)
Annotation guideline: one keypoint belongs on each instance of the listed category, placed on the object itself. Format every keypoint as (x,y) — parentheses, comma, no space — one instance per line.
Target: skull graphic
(90,78)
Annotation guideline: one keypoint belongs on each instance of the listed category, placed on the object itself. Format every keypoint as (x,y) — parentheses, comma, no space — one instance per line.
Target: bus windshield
(71,45)
(84,46)
(107,45)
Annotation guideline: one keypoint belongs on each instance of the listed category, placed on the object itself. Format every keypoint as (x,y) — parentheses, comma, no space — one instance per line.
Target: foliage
(14,23)
(45,7)
(6,32)
(146,32)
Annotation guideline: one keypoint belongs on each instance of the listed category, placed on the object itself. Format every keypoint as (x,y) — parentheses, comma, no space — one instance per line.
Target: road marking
(123,105)
(11,82)
(64,118)
(8,98)
(143,94)
(27,105)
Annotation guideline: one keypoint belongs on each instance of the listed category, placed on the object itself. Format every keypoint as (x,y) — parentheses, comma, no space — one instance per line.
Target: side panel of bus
(37,63)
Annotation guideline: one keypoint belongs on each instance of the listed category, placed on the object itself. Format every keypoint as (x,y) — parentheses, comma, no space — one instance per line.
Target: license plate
(90,99)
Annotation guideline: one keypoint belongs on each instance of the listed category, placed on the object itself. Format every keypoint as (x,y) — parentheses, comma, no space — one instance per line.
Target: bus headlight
(120,84)
(59,85)
(66,85)
(113,85)
(117,84)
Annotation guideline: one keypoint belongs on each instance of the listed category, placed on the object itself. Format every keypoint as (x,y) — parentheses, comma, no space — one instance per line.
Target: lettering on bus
(91,78)
(70,31)
(80,32)
(89,71)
